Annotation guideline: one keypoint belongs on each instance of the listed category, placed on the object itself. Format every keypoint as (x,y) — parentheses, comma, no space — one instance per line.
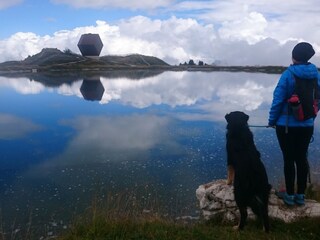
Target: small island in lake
(54,60)
(90,46)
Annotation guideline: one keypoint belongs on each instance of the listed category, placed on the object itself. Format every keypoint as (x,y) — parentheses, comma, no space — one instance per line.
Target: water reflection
(92,89)
(13,127)
(114,136)
(161,135)
(247,91)
(57,78)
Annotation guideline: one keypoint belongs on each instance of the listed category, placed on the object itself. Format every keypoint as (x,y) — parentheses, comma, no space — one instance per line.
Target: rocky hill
(54,59)
(134,60)
(50,56)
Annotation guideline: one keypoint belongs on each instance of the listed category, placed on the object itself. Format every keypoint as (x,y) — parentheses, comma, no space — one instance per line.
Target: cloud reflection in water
(12,127)
(118,134)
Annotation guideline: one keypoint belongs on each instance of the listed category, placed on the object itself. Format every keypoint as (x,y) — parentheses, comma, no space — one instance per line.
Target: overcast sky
(229,32)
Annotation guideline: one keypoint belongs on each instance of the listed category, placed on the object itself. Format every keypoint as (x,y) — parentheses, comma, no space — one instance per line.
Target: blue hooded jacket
(284,89)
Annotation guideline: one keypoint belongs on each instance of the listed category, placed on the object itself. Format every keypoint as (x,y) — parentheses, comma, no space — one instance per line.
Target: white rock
(216,198)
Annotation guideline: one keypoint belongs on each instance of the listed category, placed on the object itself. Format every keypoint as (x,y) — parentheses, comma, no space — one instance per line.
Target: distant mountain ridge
(53,58)
(55,61)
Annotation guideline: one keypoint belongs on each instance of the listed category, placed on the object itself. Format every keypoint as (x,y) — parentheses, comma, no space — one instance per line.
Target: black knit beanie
(302,52)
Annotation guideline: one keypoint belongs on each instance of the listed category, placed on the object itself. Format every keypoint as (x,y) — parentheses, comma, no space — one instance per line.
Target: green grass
(123,218)
(160,229)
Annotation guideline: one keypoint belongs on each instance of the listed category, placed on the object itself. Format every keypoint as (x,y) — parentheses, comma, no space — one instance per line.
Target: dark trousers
(294,146)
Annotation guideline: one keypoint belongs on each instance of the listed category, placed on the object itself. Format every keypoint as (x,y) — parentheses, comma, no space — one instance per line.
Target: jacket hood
(305,71)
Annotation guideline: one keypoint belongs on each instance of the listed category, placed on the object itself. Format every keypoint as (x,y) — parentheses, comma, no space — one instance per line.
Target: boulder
(216,198)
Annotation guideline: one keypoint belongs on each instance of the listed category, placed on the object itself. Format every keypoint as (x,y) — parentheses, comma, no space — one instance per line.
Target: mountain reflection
(56,79)
(212,94)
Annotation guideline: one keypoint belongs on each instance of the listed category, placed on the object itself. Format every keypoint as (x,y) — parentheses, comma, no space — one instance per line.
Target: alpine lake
(67,141)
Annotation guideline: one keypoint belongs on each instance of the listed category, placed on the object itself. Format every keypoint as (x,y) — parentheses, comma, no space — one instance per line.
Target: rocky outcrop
(216,198)
(54,59)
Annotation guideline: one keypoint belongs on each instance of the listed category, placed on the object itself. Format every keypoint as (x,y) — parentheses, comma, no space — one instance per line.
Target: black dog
(251,186)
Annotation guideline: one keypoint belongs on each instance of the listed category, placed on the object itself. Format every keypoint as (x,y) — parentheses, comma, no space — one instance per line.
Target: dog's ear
(246,117)
(243,118)
(227,117)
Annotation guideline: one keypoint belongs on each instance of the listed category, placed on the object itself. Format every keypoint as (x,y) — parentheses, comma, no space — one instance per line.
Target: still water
(66,140)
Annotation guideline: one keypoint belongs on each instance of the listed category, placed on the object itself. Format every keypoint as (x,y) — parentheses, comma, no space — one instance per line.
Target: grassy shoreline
(125,217)
(111,221)
(162,229)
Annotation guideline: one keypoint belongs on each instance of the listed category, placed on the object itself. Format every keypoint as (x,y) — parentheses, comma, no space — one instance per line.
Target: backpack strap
(316,89)
(315,86)
(295,77)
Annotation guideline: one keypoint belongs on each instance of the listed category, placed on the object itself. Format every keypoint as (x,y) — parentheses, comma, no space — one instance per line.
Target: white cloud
(6,4)
(174,40)
(251,28)
(21,44)
(132,4)
(230,32)
(252,21)
(171,40)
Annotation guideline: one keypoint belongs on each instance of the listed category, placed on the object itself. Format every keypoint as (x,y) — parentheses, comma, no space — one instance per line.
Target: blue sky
(232,32)
(44,17)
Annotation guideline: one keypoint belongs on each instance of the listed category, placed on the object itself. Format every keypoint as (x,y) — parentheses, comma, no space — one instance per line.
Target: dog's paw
(229,181)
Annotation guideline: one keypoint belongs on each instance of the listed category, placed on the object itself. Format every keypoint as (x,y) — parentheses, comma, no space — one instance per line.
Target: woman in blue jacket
(293,135)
